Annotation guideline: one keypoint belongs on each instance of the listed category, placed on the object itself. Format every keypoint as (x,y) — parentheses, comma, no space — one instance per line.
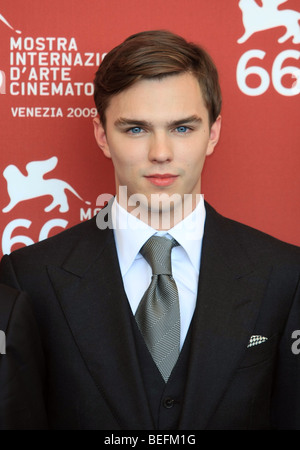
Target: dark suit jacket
(22,368)
(248,285)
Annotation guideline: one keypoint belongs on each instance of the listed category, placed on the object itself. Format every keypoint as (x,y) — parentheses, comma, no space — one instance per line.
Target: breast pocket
(260,353)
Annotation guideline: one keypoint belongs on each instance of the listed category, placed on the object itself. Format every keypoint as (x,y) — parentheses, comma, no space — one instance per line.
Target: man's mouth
(165,179)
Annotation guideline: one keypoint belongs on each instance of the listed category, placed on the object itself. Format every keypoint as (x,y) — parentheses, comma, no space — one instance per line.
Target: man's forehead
(181,83)
(173,98)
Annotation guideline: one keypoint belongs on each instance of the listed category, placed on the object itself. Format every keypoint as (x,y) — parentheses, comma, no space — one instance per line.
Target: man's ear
(214,137)
(100,137)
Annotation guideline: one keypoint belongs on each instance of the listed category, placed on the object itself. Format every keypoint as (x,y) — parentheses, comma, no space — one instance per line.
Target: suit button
(168,402)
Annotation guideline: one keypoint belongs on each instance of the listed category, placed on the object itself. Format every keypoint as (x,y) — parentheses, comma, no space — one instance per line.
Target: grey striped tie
(158,315)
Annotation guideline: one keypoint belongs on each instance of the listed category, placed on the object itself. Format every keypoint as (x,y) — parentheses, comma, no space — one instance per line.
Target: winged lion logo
(260,18)
(25,187)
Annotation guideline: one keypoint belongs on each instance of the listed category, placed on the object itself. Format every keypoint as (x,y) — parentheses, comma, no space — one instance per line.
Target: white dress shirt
(130,235)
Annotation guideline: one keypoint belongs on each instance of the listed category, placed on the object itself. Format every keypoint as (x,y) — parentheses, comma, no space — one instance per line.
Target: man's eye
(135,130)
(182,129)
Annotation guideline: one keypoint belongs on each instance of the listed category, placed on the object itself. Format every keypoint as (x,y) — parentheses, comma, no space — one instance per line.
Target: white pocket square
(256,340)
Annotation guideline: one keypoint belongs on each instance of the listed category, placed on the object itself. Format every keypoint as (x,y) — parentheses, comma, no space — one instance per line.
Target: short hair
(155,54)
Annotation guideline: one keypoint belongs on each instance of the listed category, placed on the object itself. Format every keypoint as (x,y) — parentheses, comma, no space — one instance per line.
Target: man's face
(158,135)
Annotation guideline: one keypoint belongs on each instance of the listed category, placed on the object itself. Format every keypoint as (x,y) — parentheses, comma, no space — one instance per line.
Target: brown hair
(155,54)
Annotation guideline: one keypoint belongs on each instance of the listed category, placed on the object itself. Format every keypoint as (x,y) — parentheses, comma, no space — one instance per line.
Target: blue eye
(135,130)
(182,129)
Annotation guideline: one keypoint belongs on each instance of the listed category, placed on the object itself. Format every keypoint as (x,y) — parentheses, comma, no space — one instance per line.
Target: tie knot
(157,252)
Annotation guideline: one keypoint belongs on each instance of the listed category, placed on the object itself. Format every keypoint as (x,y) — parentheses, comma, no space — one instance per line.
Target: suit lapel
(90,290)
(229,295)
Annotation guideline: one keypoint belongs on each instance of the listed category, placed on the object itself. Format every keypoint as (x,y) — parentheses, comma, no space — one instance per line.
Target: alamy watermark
(2,343)
(160,211)
(296,344)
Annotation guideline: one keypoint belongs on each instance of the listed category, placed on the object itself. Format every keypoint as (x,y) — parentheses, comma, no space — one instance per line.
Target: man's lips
(165,179)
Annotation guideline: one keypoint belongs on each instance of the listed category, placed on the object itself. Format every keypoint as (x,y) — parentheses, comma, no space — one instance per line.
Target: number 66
(277,73)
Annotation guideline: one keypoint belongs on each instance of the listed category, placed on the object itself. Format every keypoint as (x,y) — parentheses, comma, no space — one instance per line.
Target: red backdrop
(49,53)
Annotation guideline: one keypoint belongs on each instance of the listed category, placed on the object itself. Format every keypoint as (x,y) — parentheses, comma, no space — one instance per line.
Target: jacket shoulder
(256,243)
(56,248)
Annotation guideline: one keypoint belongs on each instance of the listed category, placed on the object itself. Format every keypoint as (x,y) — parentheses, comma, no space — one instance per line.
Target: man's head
(159,101)
(155,54)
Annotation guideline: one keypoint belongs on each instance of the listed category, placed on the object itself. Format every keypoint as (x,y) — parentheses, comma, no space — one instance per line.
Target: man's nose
(160,148)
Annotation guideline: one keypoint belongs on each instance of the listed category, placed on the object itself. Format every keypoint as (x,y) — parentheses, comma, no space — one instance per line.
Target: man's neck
(165,215)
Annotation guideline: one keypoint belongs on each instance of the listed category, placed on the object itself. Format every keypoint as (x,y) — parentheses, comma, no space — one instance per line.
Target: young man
(134,339)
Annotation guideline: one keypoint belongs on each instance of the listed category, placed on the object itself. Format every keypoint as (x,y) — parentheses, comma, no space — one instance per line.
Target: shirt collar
(189,233)
(131,233)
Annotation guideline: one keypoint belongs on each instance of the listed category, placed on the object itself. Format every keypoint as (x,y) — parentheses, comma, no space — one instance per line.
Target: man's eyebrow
(124,122)
(185,120)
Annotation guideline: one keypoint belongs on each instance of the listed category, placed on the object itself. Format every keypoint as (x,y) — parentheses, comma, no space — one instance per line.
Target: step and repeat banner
(51,170)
